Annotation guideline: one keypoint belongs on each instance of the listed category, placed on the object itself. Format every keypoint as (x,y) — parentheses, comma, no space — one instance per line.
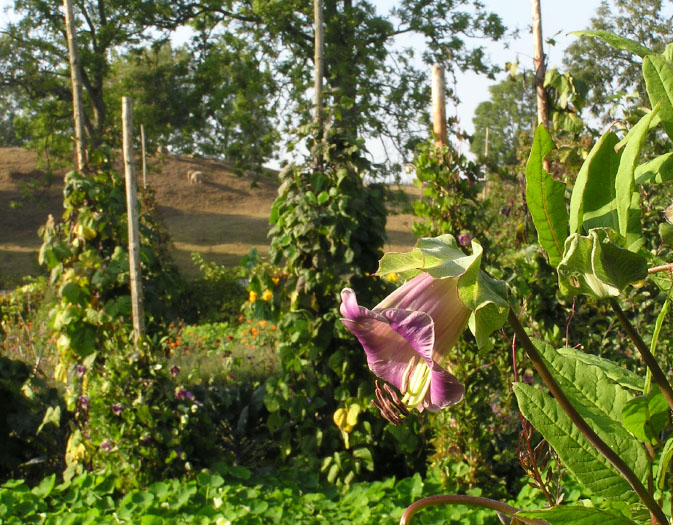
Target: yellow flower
(267,295)
(275,280)
(393,277)
(253,296)
(346,419)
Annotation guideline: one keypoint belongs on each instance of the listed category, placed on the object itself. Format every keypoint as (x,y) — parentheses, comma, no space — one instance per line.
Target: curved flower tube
(406,337)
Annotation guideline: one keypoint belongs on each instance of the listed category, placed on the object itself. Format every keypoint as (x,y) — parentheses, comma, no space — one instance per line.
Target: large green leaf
(617,41)
(545,199)
(658,73)
(575,515)
(657,170)
(646,416)
(596,265)
(599,401)
(628,214)
(593,196)
(580,457)
(612,370)
(441,258)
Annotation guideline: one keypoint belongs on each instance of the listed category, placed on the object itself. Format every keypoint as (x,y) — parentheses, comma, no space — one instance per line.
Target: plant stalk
(581,424)
(455,499)
(650,361)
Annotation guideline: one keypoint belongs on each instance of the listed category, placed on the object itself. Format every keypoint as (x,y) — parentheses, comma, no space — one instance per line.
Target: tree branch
(657,374)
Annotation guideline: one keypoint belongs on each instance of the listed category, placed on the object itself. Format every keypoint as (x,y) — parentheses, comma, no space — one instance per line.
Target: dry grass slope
(222,218)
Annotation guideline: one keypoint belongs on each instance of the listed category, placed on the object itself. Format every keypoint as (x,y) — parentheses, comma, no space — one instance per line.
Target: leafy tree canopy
(614,75)
(510,110)
(245,57)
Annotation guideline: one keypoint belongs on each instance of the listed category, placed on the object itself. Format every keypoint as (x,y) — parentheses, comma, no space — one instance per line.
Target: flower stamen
(389,404)
(407,372)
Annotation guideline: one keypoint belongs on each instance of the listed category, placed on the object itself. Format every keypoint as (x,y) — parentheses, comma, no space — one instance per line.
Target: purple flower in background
(183,393)
(174,370)
(117,409)
(464,239)
(505,211)
(80,370)
(406,337)
(84,402)
(106,446)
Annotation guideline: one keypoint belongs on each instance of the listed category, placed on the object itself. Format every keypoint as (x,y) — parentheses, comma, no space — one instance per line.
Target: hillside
(222,218)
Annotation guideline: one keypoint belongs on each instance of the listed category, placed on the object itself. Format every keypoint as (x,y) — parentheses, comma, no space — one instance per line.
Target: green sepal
(442,258)
(597,265)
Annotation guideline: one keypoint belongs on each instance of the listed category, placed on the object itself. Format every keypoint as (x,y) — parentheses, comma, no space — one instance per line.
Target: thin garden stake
(132,210)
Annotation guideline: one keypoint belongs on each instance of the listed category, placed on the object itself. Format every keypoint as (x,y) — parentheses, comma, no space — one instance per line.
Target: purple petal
(445,390)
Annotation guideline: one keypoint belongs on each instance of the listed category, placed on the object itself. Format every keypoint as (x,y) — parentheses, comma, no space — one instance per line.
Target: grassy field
(222,218)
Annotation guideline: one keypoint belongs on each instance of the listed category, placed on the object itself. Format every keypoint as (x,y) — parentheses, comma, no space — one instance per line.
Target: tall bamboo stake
(319,69)
(133,223)
(539,64)
(439,128)
(76,79)
(144,156)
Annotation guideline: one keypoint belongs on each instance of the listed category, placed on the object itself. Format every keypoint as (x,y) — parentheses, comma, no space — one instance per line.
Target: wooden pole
(539,64)
(132,211)
(439,129)
(144,156)
(484,193)
(76,79)
(319,68)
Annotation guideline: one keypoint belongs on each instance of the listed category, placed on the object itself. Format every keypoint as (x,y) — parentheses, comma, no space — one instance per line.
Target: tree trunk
(540,68)
(133,223)
(76,79)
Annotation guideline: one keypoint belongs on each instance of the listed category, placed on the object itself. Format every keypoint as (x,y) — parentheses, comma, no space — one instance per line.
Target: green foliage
(31,437)
(510,110)
(137,422)
(616,85)
(606,205)
(450,198)
(87,256)
(216,295)
(225,495)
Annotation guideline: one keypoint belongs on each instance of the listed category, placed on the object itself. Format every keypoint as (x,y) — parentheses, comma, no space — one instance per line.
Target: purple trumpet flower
(406,337)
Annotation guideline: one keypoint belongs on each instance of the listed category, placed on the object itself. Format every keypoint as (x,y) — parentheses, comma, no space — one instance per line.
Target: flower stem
(581,424)
(455,499)
(662,268)
(650,361)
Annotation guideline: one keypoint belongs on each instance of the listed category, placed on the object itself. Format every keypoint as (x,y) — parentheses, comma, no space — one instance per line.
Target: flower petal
(445,390)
